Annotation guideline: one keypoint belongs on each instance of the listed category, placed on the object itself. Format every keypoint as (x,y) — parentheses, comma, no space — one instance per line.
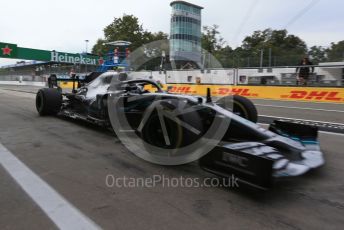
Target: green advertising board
(8,50)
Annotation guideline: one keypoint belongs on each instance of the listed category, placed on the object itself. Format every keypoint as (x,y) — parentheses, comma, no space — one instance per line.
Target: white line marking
(331,133)
(297,119)
(323,132)
(292,107)
(286,100)
(57,208)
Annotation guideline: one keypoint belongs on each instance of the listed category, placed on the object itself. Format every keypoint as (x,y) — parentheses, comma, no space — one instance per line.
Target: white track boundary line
(56,207)
(287,100)
(331,133)
(301,108)
(324,132)
(297,119)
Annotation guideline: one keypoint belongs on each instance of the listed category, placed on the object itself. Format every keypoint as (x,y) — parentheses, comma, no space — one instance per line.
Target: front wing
(258,164)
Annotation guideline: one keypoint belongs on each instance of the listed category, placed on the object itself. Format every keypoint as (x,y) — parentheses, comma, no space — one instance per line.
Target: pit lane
(74,158)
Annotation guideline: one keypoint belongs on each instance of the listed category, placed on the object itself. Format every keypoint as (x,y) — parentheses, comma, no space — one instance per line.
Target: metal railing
(325,75)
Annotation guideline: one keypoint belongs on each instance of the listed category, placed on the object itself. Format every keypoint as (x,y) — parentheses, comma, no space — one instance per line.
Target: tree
(336,51)
(317,54)
(286,47)
(99,48)
(126,28)
(277,39)
(157,36)
(214,44)
(224,55)
(211,39)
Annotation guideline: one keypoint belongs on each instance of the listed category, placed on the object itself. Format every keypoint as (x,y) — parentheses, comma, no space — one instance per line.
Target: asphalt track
(73,159)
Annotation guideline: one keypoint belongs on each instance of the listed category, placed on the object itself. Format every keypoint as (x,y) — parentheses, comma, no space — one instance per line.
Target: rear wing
(77,80)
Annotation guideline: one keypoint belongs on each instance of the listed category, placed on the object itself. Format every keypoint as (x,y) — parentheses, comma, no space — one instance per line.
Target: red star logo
(6,51)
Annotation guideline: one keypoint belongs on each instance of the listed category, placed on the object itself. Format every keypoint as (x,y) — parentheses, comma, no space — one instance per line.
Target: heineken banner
(8,50)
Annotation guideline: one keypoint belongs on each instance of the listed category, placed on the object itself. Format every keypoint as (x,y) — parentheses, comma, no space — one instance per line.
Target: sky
(64,25)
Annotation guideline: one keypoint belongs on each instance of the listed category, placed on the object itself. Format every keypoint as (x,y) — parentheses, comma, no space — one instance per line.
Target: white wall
(207,77)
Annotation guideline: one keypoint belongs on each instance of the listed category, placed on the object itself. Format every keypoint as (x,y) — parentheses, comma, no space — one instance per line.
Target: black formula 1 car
(164,121)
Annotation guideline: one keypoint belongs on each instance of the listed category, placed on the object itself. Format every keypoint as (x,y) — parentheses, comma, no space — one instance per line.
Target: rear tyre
(240,106)
(48,101)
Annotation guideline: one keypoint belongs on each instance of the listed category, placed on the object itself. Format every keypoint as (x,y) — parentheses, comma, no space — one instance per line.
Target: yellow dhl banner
(314,94)
(265,92)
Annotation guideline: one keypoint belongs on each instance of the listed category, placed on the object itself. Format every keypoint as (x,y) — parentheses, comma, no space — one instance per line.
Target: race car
(254,155)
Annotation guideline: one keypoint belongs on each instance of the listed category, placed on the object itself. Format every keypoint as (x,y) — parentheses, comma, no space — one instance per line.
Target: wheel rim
(153,134)
(240,110)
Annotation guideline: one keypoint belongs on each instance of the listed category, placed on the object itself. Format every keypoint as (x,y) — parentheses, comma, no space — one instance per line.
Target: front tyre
(48,101)
(242,107)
